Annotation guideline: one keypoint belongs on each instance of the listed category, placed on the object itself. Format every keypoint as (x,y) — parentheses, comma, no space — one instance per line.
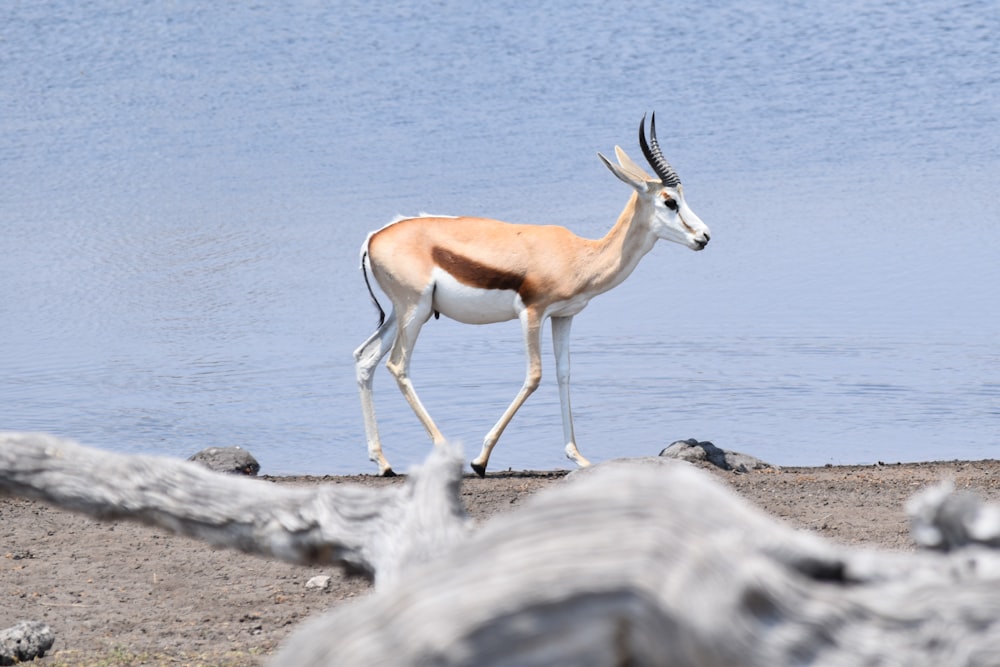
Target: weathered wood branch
(640,563)
(945,519)
(366,531)
(645,564)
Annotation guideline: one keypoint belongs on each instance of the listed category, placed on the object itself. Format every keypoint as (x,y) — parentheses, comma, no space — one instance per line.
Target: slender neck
(617,254)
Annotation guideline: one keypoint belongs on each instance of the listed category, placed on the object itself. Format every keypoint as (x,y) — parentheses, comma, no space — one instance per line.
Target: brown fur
(475,274)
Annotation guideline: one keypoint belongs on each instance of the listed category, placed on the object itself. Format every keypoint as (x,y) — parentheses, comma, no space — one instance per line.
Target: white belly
(472,305)
(568,308)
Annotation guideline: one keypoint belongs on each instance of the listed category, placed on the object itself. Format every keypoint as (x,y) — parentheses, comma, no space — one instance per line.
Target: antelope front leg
(560,345)
(531,326)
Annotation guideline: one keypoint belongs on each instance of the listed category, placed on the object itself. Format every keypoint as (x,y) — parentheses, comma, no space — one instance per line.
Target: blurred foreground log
(637,563)
(371,532)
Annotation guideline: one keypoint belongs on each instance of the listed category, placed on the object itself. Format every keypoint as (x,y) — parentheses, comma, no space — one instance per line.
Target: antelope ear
(638,183)
(631,166)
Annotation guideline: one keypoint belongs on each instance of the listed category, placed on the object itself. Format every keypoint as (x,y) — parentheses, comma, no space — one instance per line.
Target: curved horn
(655,156)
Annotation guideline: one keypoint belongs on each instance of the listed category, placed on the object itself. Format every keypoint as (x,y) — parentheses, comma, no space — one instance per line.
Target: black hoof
(479,470)
(388,472)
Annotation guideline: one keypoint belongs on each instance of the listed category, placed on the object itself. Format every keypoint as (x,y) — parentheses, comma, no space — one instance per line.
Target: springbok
(479,271)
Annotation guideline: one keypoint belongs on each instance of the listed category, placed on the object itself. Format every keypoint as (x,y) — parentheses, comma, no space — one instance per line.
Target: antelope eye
(671,204)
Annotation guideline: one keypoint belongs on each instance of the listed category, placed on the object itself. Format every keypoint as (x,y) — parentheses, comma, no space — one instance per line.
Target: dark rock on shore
(694,451)
(232,460)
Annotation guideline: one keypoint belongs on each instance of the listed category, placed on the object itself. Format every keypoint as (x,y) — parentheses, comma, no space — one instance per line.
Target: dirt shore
(123,594)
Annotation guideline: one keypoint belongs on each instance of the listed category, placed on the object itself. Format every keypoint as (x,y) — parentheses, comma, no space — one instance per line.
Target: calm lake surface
(184,188)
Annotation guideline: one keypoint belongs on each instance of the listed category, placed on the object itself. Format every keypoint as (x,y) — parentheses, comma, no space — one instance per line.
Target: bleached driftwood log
(650,563)
(371,532)
(643,566)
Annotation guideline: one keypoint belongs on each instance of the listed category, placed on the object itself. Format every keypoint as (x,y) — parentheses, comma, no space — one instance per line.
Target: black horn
(654,156)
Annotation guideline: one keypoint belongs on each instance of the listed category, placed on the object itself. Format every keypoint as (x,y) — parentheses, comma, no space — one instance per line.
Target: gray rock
(234,460)
(704,451)
(25,641)
(321,582)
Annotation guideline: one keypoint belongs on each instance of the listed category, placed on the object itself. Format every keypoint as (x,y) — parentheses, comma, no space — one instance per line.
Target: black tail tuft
(364,272)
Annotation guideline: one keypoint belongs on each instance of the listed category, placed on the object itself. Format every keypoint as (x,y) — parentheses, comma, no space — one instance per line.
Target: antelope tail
(371,292)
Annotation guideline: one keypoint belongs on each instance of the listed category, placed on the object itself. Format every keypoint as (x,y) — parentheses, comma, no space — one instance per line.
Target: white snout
(699,241)
(698,235)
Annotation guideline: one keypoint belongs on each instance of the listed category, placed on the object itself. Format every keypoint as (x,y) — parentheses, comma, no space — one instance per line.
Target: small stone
(319,582)
(232,460)
(695,451)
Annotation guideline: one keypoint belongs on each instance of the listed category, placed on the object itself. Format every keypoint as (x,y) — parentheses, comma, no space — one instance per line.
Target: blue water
(184,189)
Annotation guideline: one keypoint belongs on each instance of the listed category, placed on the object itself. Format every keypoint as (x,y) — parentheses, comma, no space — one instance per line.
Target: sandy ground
(123,594)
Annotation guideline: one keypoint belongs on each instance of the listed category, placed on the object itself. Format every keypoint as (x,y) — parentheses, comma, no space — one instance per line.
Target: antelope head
(670,218)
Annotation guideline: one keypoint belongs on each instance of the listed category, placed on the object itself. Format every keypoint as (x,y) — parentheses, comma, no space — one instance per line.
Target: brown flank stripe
(474,274)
